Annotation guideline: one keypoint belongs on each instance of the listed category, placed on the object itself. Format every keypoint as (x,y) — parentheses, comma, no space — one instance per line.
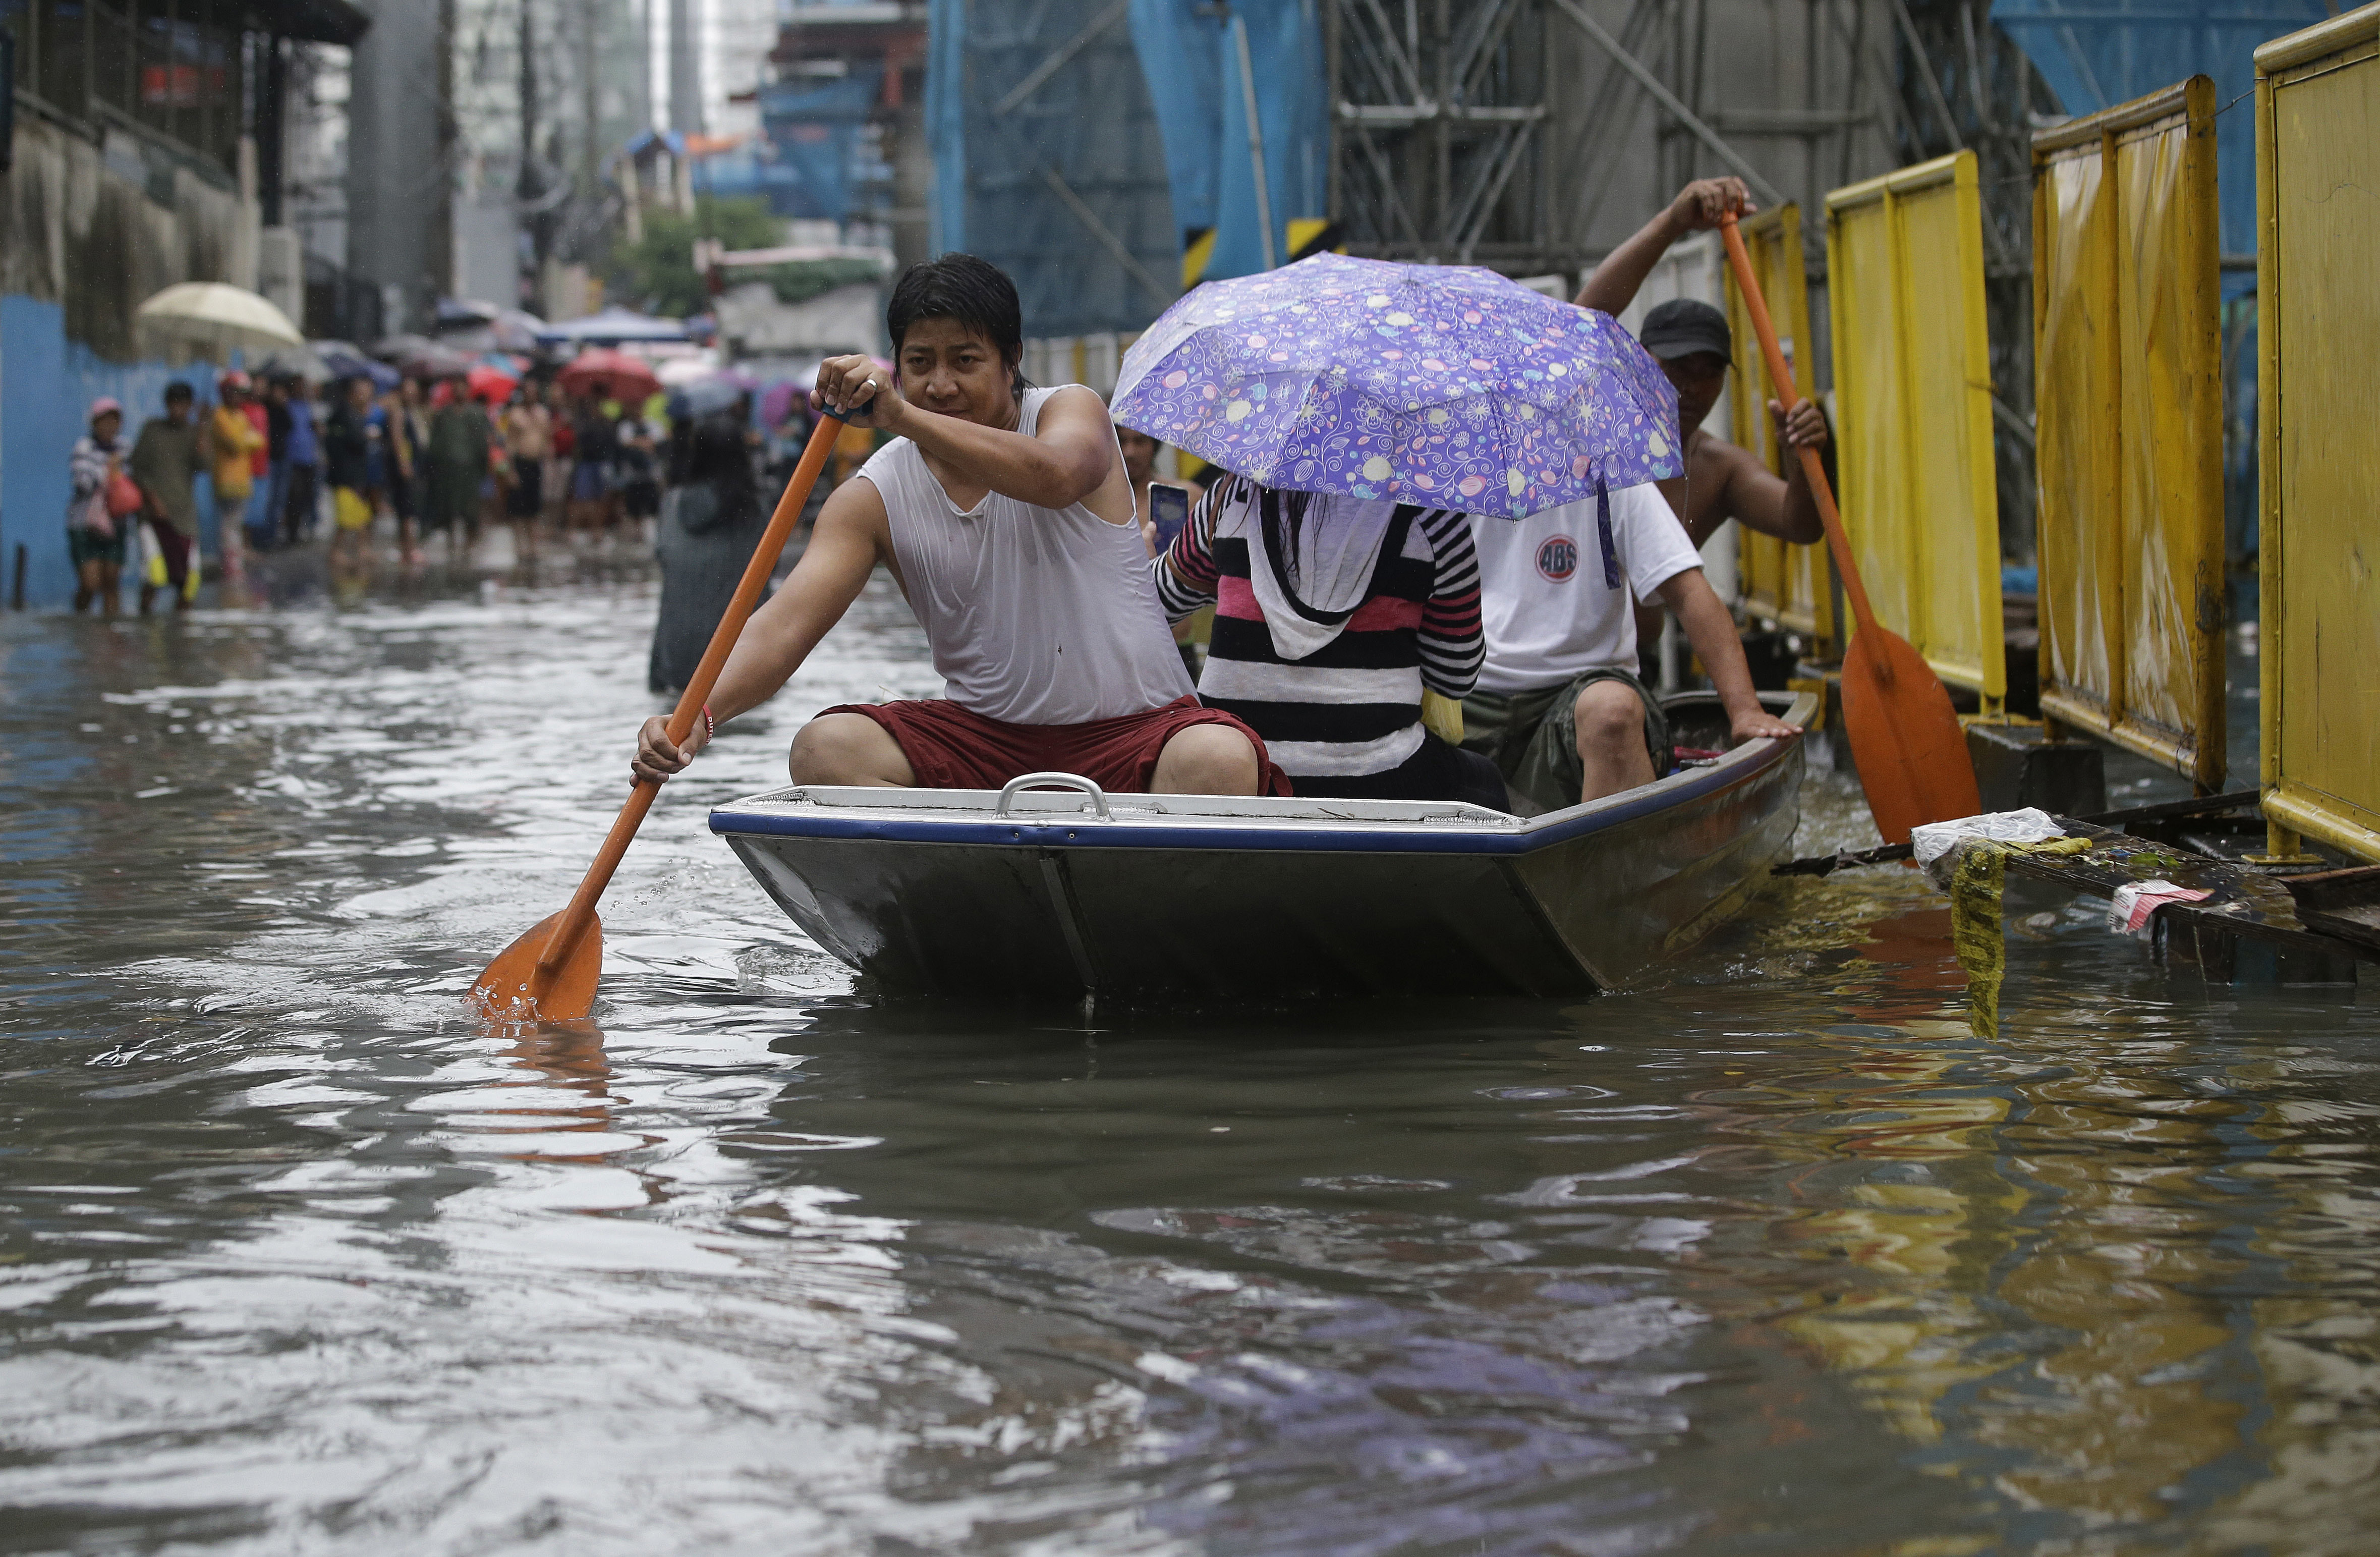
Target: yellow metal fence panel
(2128,356)
(2317,321)
(1790,584)
(1913,413)
(2077,369)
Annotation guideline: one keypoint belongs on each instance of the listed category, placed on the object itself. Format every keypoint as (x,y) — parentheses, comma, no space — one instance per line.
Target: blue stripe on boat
(1080,830)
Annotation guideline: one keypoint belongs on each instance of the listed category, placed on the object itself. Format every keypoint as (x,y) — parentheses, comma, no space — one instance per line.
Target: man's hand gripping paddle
(549,974)
(1905,736)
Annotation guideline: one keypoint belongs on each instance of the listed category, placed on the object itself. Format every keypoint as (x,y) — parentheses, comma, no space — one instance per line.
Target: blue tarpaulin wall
(814,135)
(1192,54)
(2099,53)
(46,382)
(810,158)
(1089,123)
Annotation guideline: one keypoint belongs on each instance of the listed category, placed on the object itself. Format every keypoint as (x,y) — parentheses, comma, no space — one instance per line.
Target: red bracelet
(710,729)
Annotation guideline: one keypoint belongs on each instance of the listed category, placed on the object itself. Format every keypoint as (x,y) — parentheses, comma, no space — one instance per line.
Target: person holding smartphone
(1164,509)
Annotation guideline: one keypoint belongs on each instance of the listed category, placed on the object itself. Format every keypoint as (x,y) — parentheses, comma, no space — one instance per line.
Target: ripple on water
(1776,1255)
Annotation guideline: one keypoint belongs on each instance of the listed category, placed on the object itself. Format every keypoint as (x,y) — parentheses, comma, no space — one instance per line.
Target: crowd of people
(287,462)
(1023,531)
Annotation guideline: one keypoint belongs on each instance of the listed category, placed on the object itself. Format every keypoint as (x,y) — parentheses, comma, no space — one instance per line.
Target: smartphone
(1168,510)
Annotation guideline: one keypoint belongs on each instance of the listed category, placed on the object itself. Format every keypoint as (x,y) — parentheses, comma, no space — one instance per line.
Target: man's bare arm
(1758,498)
(1712,632)
(1070,457)
(843,550)
(1698,206)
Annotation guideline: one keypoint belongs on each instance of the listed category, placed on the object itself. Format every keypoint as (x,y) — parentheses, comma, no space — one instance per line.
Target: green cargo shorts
(1532,736)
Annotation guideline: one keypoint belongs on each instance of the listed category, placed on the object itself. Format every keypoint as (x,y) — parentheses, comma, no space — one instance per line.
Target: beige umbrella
(211,317)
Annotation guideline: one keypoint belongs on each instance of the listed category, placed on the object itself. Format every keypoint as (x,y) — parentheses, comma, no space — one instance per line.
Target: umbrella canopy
(213,318)
(611,327)
(396,349)
(432,360)
(710,396)
(1438,385)
(679,372)
(345,361)
(515,330)
(608,374)
(778,402)
(291,361)
(491,384)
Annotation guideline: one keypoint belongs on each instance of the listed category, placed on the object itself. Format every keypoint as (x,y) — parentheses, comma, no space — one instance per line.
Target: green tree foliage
(658,272)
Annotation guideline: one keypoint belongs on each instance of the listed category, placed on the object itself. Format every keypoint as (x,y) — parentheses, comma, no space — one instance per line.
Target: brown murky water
(1774,1257)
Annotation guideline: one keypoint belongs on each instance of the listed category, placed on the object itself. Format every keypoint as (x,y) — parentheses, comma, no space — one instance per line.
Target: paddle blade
(1905,736)
(513,990)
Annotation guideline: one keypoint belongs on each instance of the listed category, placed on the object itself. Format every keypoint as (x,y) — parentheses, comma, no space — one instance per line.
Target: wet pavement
(1771,1255)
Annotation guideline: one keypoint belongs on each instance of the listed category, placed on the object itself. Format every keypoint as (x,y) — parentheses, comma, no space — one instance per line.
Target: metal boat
(1066,891)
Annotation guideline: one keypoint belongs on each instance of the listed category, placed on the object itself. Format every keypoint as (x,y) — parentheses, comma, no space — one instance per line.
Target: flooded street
(1772,1257)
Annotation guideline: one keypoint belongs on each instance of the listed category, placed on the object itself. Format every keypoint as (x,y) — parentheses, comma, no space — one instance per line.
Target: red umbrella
(491,384)
(608,374)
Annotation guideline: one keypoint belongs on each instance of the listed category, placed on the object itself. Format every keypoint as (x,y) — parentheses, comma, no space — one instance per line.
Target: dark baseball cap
(1681,327)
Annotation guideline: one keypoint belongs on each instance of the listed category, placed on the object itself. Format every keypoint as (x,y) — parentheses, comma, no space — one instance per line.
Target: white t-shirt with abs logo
(1548,612)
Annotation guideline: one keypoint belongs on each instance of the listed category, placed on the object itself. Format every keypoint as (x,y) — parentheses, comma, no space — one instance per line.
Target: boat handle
(1076,782)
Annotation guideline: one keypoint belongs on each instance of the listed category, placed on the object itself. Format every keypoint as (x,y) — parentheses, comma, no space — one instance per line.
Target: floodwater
(1773,1256)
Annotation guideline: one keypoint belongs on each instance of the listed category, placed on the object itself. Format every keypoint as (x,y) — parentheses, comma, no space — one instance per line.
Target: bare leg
(86,586)
(849,748)
(231,518)
(111,593)
(1612,740)
(1206,760)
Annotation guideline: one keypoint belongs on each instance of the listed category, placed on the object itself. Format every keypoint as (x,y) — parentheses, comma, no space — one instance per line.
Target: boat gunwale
(1451,835)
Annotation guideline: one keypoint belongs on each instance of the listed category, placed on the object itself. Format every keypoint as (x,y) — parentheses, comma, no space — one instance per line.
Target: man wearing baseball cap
(1692,342)
(1560,707)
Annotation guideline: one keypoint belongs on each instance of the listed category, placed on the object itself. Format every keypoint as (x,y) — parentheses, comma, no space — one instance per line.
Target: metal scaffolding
(1532,136)
(1439,119)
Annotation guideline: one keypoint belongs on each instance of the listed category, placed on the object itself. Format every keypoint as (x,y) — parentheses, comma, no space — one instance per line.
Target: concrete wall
(86,234)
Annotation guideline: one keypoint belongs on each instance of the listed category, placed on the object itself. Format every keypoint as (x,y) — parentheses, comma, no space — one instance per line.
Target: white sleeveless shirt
(1035,615)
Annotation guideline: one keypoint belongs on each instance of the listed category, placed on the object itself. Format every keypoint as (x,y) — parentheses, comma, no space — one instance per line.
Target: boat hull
(1175,898)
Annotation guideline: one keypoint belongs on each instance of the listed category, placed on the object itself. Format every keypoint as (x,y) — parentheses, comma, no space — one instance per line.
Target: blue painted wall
(45,382)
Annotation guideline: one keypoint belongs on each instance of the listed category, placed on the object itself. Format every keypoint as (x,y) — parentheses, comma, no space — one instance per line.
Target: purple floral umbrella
(1444,385)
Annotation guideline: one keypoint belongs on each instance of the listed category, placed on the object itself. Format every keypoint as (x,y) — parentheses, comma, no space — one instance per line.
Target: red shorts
(950,748)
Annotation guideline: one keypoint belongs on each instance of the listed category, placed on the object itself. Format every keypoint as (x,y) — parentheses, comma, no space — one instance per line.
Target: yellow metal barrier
(1790,584)
(2317,323)
(2128,356)
(1913,413)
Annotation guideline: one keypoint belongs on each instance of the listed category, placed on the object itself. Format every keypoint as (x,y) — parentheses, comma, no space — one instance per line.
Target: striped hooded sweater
(1353,708)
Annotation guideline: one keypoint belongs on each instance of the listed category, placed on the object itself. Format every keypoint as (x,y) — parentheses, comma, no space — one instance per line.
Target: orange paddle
(549,974)
(1905,736)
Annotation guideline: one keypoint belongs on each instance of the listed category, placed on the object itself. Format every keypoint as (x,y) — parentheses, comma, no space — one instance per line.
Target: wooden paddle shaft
(1758,306)
(581,912)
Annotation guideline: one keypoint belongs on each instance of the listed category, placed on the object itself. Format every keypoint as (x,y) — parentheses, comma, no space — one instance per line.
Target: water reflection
(1775,1257)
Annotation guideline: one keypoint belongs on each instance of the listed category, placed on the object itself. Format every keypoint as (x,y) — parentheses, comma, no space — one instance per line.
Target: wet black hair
(975,293)
(179,390)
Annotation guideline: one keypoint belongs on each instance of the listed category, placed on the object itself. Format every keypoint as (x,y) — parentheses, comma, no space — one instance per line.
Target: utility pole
(528,187)
(441,231)
(591,162)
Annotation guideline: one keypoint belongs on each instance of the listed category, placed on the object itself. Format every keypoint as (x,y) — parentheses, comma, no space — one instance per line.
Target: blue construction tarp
(816,145)
(1063,186)
(1205,65)
(2096,53)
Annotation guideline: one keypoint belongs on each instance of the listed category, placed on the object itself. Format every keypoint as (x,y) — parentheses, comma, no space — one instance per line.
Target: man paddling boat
(1692,342)
(1006,516)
